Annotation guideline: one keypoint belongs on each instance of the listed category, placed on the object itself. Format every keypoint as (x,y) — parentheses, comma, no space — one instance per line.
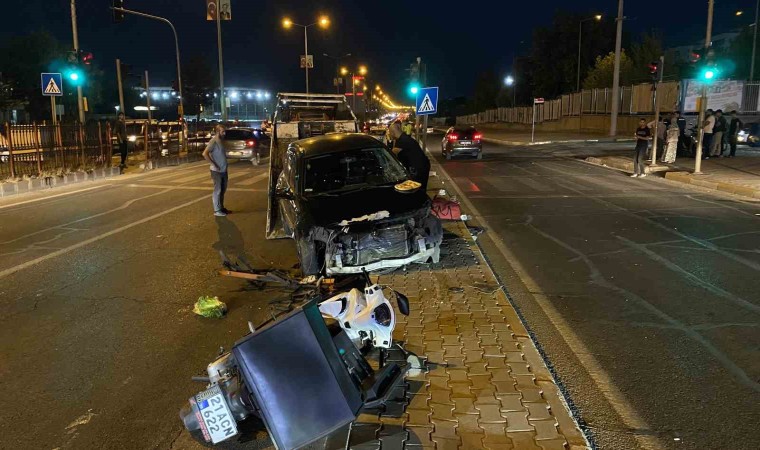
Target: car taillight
(250,143)
(477,136)
(453,137)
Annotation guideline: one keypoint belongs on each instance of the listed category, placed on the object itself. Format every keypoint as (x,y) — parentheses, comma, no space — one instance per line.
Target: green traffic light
(73,76)
(414,89)
(709,75)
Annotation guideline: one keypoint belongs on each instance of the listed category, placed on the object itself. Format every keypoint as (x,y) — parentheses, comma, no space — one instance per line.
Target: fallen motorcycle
(304,374)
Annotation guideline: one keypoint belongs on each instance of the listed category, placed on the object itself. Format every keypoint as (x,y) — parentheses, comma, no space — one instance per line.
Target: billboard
(725,95)
(214,6)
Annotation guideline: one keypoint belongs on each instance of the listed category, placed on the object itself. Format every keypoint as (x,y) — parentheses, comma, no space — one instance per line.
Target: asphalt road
(643,294)
(97,283)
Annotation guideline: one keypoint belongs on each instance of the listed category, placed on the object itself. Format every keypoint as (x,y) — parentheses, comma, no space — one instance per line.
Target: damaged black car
(346,201)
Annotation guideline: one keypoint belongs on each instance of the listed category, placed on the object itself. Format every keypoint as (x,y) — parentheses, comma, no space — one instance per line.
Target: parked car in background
(243,144)
(462,141)
(749,135)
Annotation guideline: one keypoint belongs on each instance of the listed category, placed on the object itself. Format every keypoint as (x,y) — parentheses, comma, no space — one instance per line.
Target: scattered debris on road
(210,307)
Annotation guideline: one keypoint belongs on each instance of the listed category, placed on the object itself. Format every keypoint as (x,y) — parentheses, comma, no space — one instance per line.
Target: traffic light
(75,76)
(709,70)
(414,88)
(654,71)
(85,58)
(118,16)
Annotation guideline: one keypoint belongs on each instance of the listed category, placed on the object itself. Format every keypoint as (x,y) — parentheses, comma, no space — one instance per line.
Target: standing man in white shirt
(214,154)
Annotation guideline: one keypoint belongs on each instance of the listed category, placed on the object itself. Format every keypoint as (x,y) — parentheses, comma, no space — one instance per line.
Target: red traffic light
(85,58)
(653,67)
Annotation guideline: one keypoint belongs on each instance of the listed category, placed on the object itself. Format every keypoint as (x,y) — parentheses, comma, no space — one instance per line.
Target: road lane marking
(601,378)
(63,251)
(124,205)
(52,196)
(192,188)
(194,177)
(253,180)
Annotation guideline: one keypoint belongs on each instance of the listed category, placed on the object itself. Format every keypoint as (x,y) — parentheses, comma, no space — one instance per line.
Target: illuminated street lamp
(323,22)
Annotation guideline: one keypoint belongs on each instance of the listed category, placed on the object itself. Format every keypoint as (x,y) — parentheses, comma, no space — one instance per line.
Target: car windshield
(350,170)
(238,135)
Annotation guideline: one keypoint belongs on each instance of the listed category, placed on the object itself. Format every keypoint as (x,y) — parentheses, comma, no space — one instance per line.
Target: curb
(564,141)
(738,189)
(623,164)
(11,188)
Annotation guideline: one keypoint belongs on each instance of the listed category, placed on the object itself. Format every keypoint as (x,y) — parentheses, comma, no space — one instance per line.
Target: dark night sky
(387,36)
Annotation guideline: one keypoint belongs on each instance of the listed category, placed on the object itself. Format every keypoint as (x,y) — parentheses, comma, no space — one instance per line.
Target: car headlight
(132,138)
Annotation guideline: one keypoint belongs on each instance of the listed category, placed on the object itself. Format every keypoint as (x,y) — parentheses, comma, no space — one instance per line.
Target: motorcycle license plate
(217,423)
(465,142)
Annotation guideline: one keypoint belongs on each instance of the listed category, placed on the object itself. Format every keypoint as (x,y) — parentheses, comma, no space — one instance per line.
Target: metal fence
(54,149)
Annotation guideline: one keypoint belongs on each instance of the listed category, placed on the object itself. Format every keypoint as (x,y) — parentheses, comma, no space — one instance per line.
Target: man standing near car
(214,154)
(733,130)
(120,128)
(411,155)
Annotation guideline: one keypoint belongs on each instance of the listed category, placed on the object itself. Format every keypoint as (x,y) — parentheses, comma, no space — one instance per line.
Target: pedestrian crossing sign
(427,101)
(52,85)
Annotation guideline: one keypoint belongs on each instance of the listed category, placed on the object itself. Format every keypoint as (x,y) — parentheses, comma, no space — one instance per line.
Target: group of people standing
(718,132)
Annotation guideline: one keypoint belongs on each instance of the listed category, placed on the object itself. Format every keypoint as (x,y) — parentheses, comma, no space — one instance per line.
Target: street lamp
(323,22)
(337,70)
(596,17)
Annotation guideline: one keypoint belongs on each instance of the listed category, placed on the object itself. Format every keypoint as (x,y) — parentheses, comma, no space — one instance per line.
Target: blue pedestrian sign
(52,85)
(427,101)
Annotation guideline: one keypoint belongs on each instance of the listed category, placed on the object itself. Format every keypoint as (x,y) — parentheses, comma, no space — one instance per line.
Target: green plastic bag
(210,307)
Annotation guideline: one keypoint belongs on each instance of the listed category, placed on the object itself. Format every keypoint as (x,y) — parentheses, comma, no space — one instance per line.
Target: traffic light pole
(75,34)
(703,97)
(121,86)
(176,48)
(616,74)
(657,110)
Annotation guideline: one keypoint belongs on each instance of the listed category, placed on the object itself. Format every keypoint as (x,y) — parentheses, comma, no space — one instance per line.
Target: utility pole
(656,102)
(423,76)
(754,45)
(147,97)
(121,86)
(417,116)
(616,75)
(703,97)
(221,66)
(75,34)
(306,56)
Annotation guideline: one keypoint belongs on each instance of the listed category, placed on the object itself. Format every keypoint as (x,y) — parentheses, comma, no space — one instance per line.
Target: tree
(643,52)
(486,90)
(602,73)
(198,84)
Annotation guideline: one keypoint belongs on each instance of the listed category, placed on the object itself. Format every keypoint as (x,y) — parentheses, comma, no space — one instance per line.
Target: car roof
(331,143)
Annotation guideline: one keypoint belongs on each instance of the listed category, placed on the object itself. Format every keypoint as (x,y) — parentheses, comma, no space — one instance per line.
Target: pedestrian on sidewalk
(643,136)
(718,130)
(411,155)
(214,154)
(733,131)
(120,128)
(707,134)
(673,136)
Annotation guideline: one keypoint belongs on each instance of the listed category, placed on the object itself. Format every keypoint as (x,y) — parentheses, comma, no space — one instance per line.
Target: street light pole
(176,49)
(703,97)
(221,66)
(580,37)
(616,74)
(754,44)
(306,56)
(75,35)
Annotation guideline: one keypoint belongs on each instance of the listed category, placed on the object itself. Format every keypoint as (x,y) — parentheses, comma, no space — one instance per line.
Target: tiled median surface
(484,385)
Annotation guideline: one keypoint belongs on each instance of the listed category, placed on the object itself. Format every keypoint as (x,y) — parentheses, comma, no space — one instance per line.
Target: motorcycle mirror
(403,303)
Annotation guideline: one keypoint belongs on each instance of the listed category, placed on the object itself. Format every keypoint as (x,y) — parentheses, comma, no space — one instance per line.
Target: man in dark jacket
(733,130)
(120,130)
(411,155)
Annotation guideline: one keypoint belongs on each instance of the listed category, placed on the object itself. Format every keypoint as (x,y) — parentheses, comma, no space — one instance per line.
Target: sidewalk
(497,134)
(739,175)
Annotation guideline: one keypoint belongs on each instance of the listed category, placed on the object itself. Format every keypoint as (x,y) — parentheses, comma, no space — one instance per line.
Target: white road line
(193,177)
(63,251)
(53,196)
(253,180)
(191,188)
(601,378)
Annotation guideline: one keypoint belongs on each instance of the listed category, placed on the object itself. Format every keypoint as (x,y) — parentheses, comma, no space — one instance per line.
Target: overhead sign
(218,6)
(538,100)
(427,101)
(307,61)
(52,85)
(725,95)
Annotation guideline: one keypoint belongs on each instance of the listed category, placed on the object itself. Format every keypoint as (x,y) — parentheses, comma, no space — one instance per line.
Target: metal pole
(306,57)
(657,111)
(52,109)
(616,75)
(703,99)
(425,119)
(533,127)
(121,86)
(221,66)
(580,37)
(147,96)
(353,92)
(754,44)
(75,34)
